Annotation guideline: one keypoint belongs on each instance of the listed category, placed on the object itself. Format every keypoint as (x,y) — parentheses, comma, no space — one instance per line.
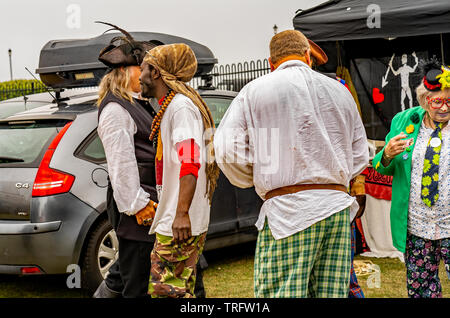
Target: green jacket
(400,169)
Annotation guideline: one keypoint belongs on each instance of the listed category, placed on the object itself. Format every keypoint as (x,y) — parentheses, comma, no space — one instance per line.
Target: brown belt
(303,187)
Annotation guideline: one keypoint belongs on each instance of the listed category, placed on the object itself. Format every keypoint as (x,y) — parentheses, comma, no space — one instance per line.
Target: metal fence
(233,77)
(20,89)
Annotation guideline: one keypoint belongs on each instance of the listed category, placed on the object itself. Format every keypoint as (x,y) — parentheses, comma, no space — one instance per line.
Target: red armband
(189,156)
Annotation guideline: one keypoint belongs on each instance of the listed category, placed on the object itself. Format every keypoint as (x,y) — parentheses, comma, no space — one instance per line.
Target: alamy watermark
(74,279)
(374,279)
(253,146)
(260,149)
(73,20)
(374,18)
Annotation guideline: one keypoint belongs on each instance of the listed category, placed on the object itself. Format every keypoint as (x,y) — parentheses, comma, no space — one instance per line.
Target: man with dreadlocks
(186,174)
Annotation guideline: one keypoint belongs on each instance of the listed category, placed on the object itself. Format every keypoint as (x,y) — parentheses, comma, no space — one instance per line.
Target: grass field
(229,275)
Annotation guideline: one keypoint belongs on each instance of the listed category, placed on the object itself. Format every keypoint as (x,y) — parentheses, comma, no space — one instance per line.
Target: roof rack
(74,63)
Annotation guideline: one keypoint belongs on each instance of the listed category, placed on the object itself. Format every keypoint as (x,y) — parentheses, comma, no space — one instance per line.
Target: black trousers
(114,280)
(131,272)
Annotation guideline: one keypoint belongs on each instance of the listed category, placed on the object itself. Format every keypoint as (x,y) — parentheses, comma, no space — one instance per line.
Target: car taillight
(49,181)
(30,270)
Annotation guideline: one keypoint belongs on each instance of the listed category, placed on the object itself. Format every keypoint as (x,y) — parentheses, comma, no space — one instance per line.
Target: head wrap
(177,65)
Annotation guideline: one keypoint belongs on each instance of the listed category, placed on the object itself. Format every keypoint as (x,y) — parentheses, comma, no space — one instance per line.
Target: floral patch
(436,159)
(426,181)
(436,177)
(426,165)
(436,197)
(410,129)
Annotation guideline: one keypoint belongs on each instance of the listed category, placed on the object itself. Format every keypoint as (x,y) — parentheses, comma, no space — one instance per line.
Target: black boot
(103,291)
(199,290)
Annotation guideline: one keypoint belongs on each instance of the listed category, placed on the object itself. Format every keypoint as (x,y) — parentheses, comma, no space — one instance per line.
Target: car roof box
(74,63)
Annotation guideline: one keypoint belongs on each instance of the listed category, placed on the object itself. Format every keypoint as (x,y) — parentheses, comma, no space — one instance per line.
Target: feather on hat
(124,50)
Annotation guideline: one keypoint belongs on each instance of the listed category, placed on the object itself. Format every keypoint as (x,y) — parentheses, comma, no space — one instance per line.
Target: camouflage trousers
(173,266)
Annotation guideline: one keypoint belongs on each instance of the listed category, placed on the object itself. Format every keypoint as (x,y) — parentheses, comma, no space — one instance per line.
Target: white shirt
(181,121)
(316,137)
(433,222)
(116,129)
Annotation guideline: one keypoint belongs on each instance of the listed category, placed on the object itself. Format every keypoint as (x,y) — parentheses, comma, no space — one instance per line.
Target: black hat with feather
(124,50)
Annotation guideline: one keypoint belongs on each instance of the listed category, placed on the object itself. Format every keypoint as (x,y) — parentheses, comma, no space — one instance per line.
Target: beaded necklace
(156,124)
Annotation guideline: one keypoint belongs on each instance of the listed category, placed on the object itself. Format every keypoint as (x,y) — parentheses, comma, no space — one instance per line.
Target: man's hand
(361,199)
(181,227)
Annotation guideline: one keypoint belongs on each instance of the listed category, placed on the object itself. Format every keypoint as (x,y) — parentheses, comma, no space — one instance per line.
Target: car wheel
(102,250)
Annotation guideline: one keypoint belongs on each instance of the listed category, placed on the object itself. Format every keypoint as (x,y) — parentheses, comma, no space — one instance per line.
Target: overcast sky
(235,30)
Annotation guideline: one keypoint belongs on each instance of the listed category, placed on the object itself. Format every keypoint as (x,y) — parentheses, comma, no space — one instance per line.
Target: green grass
(37,286)
(229,275)
(230,272)
(393,279)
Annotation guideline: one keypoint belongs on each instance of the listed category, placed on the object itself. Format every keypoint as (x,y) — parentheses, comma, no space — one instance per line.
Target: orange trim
(290,58)
(159,147)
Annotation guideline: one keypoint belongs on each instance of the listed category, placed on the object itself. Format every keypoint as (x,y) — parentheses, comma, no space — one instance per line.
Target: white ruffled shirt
(116,129)
(316,136)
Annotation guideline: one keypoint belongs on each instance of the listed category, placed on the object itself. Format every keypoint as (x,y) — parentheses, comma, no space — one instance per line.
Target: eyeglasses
(437,103)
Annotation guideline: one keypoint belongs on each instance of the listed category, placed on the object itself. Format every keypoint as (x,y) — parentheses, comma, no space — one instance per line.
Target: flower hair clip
(444,78)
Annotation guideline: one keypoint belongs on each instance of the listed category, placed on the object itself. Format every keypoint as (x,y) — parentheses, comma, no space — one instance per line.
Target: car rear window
(10,108)
(23,143)
(218,107)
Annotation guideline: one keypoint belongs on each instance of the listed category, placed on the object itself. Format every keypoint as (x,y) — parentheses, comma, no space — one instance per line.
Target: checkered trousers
(312,263)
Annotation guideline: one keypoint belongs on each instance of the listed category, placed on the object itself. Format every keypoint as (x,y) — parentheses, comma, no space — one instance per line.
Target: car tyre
(100,253)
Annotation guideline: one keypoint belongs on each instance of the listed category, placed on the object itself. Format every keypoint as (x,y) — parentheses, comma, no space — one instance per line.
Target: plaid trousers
(314,262)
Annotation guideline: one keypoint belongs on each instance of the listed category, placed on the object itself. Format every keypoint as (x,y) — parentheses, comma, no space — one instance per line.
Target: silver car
(53,179)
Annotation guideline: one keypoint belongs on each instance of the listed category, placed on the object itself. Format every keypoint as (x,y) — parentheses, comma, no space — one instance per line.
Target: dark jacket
(142,113)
